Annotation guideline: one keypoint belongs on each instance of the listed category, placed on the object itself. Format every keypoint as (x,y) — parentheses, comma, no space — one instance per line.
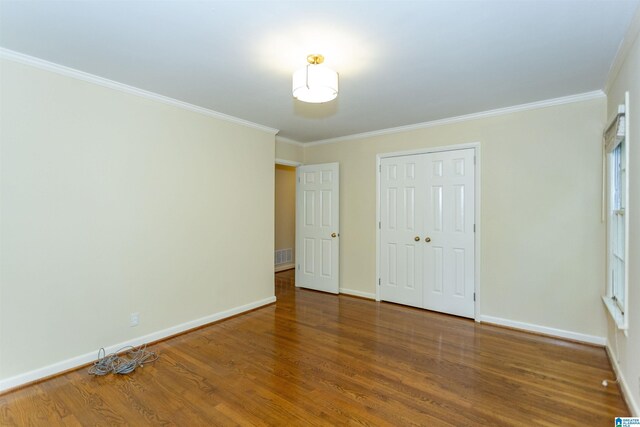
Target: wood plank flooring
(319,359)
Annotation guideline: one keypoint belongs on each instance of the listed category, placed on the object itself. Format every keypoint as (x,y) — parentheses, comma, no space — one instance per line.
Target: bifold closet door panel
(448,257)
(402,207)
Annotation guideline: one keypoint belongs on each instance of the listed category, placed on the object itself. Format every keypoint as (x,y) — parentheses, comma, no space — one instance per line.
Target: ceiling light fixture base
(315,83)
(315,59)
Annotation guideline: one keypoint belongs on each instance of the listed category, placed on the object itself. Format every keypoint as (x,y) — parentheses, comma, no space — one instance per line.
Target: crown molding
(81,75)
(289,141)
(597,94)
(623,50)
(101,81)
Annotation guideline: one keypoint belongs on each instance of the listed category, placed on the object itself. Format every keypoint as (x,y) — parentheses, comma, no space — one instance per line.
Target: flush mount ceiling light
(315,83)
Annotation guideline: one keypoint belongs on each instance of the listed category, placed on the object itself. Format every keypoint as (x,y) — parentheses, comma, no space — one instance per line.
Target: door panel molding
(474,222)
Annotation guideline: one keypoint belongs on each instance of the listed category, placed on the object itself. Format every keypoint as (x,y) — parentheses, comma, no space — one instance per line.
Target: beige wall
(626,349)
(285,209)
(113,204)
(541,244)
(289,151)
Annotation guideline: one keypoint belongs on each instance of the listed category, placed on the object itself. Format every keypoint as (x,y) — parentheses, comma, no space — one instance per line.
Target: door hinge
(379,282)
(474,296)
(379,224)
(298,266)
(299,180)
(474,228)
(379,168)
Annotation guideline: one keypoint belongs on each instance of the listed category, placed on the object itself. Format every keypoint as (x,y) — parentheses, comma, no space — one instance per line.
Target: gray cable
(112,363)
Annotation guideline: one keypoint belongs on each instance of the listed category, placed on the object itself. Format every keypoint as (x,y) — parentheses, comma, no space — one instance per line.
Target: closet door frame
(478,227)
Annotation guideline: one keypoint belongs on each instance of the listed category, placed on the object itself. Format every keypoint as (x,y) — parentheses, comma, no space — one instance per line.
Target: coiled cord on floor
(112,363)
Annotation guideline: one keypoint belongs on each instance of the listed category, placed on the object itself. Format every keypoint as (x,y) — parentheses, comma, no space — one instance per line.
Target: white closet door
(427,240)
(317,227)
(402,218)
(449,256)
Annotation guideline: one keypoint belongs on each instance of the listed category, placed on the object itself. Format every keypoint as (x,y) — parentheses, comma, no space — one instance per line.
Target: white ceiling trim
(596,94)
(623,50)
(91,78)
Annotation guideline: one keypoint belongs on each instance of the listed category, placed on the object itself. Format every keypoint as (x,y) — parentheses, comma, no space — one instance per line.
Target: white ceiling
(400,62)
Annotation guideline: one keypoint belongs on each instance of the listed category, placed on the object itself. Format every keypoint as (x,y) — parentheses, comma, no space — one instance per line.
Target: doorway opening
(285,217)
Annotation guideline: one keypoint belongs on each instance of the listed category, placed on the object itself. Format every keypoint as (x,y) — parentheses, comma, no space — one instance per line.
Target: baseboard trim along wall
(283,267)
(624,386)
(560,333)
(78,361)
(355,293)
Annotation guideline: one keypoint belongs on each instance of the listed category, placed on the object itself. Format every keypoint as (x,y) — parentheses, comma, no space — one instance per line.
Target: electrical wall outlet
(134,319)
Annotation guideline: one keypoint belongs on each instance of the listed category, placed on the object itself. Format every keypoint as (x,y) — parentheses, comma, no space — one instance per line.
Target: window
(617,227)
(616,147)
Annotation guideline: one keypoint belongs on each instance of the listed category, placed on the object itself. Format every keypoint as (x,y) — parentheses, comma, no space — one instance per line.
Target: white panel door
(402,217)
(449,240)
(317,227)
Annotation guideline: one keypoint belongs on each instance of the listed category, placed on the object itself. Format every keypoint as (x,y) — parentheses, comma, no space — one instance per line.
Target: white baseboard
(560,333)
(355,293)
(283,267)
(74,362)
(624,386)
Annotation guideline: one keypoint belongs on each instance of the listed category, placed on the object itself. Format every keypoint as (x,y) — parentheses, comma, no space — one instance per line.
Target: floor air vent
(283,256)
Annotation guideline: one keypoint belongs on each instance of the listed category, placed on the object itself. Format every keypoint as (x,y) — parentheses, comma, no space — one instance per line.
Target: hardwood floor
(319,359)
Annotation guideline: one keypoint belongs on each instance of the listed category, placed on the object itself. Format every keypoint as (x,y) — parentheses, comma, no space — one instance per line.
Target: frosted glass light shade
(315,83)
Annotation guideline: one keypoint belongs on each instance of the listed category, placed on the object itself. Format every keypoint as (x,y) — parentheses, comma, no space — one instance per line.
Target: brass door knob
(417,238)
(333,235)
(427,239)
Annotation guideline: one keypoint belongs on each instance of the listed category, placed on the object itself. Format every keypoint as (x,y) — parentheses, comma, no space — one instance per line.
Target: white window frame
(616,140)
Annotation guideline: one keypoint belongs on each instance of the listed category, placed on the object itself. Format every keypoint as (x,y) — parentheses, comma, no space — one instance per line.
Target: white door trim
(288,163)
(426,150)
